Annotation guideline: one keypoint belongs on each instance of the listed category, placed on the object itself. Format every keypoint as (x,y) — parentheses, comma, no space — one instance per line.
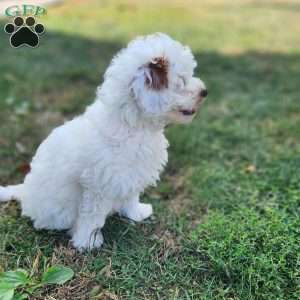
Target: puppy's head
(156,74)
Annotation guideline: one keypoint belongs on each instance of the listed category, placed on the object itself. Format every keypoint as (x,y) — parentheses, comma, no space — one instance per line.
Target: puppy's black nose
(204,93)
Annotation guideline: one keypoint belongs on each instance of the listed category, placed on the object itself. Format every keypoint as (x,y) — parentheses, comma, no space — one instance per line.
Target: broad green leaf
(7,295)
(6,291)
(16,278)
(57,275)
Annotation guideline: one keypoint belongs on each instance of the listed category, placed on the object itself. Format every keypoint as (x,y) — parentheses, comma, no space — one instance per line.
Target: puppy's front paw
(138,213)
(86,241)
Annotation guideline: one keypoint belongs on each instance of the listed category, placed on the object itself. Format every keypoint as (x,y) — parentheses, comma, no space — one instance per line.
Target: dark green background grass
(226,222)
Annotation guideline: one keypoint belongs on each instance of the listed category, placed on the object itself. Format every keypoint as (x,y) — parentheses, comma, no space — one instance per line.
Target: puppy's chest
(147,152)
(138,160)
(144,152)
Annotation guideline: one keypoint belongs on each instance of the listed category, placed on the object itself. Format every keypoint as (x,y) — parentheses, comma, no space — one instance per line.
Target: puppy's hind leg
(135,210)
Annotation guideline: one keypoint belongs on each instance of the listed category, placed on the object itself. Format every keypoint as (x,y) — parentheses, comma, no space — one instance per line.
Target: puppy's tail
(11,192)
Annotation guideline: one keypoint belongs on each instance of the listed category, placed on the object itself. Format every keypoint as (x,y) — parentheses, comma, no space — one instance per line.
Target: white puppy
(100,162)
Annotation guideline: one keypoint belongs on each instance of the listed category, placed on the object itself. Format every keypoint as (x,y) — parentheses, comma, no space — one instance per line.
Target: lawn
(227,210)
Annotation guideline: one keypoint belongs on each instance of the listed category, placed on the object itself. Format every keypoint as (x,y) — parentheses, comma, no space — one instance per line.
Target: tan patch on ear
(159,73)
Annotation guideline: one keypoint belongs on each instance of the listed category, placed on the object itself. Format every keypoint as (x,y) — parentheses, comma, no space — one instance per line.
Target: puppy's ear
(157,74)
(149,84)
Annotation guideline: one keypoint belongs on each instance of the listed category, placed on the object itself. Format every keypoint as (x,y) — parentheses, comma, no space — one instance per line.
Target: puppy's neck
(115,121)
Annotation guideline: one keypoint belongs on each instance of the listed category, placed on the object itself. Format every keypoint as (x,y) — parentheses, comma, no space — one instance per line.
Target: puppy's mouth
(187,112)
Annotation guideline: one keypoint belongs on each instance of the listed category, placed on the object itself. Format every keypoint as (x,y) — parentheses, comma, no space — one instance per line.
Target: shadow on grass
(62,74)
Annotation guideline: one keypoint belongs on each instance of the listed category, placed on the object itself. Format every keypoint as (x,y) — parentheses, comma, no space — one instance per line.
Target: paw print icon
(24,32)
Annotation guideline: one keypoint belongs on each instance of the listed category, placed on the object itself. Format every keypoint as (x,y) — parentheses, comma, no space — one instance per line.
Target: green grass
(227,222)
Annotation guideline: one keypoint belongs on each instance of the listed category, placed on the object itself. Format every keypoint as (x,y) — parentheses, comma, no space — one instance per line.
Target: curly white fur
(100,162)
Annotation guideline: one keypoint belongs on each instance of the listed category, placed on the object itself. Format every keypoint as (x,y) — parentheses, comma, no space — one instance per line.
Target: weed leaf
(6,291)
(15,278)
(57,275)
